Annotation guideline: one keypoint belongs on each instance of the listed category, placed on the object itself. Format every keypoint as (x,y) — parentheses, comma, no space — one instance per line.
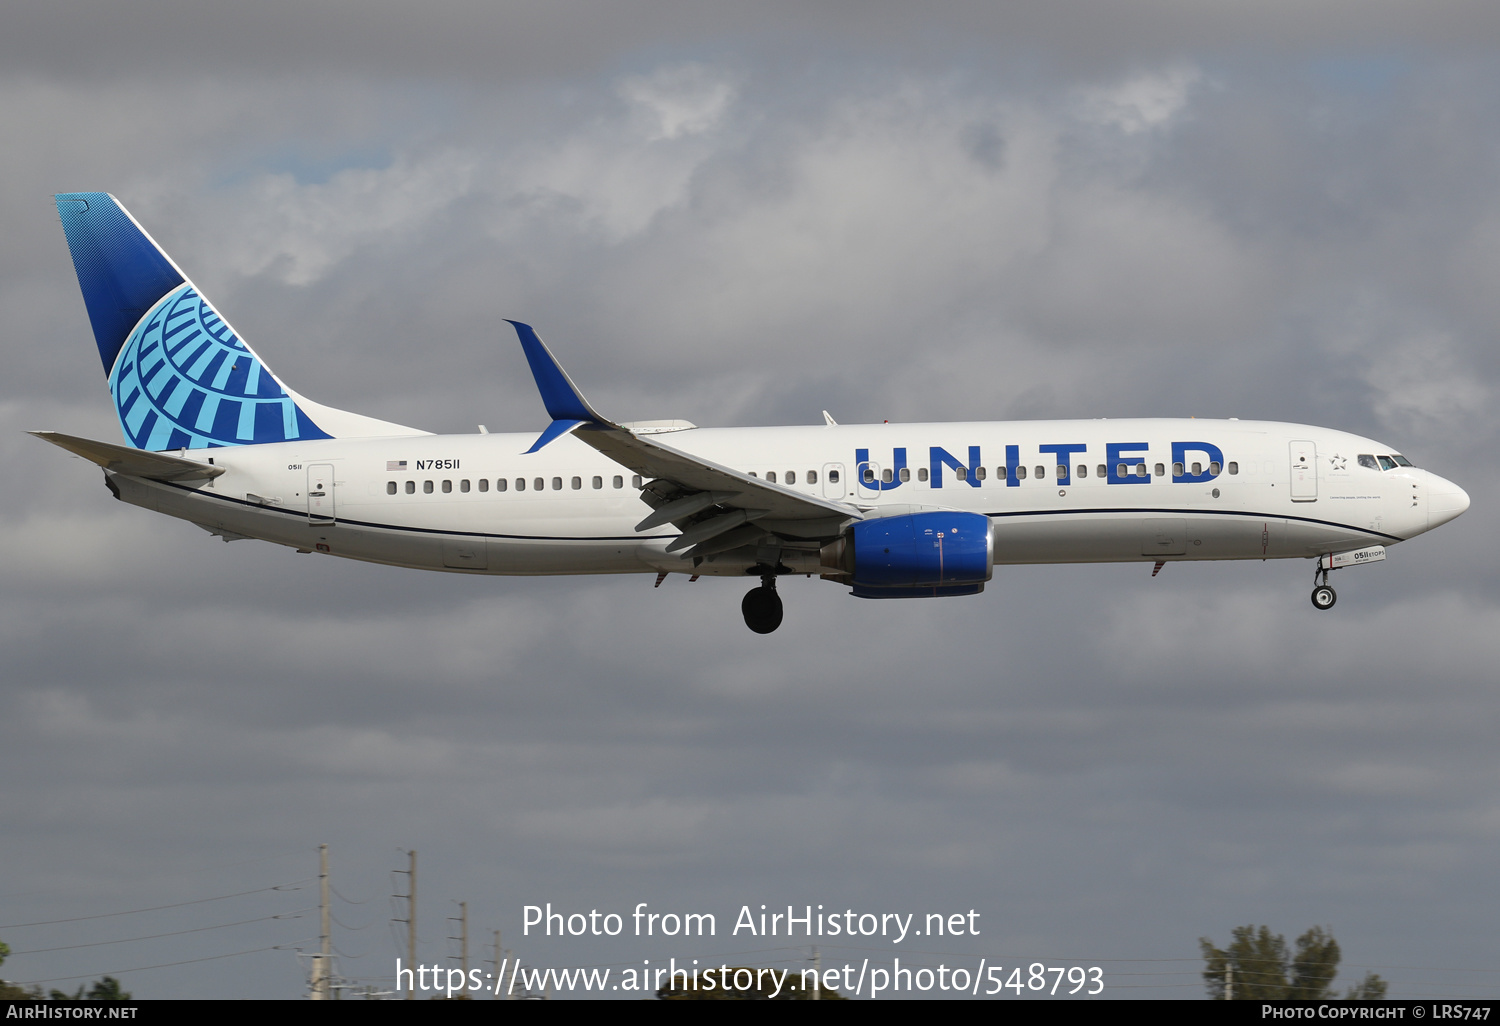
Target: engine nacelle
(951,552)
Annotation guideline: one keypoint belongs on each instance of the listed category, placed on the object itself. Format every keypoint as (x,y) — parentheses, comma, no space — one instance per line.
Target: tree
(105,989)
(1258,967)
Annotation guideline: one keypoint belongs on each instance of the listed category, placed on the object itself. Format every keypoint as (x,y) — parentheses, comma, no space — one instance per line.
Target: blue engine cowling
(937,553)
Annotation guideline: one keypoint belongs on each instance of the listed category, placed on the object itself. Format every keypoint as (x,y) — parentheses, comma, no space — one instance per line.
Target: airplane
(214,437)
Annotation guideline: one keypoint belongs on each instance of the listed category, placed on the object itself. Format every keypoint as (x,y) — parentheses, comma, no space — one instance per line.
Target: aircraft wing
(716,507)
(121,459)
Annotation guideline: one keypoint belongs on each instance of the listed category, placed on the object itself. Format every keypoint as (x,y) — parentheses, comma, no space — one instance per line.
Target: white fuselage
(435,502)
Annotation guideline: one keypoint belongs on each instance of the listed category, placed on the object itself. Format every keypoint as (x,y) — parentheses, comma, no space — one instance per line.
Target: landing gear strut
(762,606)
(1323,596)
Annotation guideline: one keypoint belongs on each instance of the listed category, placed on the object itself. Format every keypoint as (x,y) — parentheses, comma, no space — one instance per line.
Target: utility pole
(410,921)
(463,937)
(499,969)
(323,961)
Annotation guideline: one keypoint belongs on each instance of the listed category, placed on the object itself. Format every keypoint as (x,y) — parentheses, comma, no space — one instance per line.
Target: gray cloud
(746,217)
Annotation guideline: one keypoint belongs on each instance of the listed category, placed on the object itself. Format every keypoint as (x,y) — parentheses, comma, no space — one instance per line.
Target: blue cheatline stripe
(1251,514)
(300,515)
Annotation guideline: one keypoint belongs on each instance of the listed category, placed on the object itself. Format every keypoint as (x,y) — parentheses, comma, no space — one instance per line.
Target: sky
(747,214)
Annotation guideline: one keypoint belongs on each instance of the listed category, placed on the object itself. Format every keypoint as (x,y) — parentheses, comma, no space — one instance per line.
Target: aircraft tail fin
(180,376)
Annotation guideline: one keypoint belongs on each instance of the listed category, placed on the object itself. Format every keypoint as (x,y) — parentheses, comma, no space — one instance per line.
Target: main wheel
(1323,597)
(762,609)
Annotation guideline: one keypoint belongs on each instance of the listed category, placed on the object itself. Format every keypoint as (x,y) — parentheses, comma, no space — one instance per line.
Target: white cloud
(1146,101)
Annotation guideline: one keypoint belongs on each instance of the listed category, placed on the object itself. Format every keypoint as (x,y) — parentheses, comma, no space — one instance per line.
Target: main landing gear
(762,606)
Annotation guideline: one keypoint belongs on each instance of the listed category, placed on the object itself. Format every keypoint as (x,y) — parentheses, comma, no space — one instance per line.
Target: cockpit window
(1401,461)
(1366,460)
(1386,463)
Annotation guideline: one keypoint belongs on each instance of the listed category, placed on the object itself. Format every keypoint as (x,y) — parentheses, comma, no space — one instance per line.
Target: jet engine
(915,554)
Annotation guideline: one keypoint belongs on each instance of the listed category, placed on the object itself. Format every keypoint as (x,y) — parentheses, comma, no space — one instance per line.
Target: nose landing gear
(1323,595)
(762,606)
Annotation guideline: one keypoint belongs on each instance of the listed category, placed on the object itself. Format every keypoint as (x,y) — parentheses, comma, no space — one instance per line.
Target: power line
(174,933)
(155,908)
(143,968)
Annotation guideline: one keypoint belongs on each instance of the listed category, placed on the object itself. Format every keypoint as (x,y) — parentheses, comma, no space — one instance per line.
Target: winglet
(565,404)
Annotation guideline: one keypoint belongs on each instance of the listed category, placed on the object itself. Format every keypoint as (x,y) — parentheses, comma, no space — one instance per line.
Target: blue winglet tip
(559,394)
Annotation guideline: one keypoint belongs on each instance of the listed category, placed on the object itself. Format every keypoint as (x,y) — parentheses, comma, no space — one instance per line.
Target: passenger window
(1062,471)
(887,476)
(1197,470)
(1366,460)
(427,487)
(447,486)
(557,484)
(752,473)
(501,483)
(411,487)
(619,481)
(484,484)
(1140,470)
(1020,473)
(1177,469)
(1234,468)
(1161,471)
(1041,473)
(390,488)
(921,473)
(1121,470)
(962,473)
(520,484)
(598,481)
(635,481)
(812,477)
(1213,468)
(577,483)
(868,475)
(1083,470)
(463,485)
(538,484)
(791,477)
(979,472)
(771,476)
(833,477)
(1386,463)
(1104,470)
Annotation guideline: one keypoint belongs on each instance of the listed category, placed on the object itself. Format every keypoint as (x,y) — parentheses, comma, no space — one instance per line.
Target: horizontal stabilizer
(121,459)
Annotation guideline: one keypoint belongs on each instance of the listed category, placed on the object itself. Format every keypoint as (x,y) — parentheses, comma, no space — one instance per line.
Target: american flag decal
(395,465)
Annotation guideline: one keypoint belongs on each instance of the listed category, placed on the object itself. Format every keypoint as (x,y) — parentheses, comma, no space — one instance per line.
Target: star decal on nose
(1337,462)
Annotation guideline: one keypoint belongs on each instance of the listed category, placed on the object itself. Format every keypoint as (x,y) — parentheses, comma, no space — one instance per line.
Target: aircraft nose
(1445,501)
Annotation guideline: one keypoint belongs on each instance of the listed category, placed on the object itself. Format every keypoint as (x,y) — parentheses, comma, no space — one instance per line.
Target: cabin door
(1304,457)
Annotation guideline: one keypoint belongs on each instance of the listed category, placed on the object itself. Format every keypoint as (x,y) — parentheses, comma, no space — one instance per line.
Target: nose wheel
(762,607)
(1323,595)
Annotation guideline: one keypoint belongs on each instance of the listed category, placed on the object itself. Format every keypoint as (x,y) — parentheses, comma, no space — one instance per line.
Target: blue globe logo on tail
(184,380)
